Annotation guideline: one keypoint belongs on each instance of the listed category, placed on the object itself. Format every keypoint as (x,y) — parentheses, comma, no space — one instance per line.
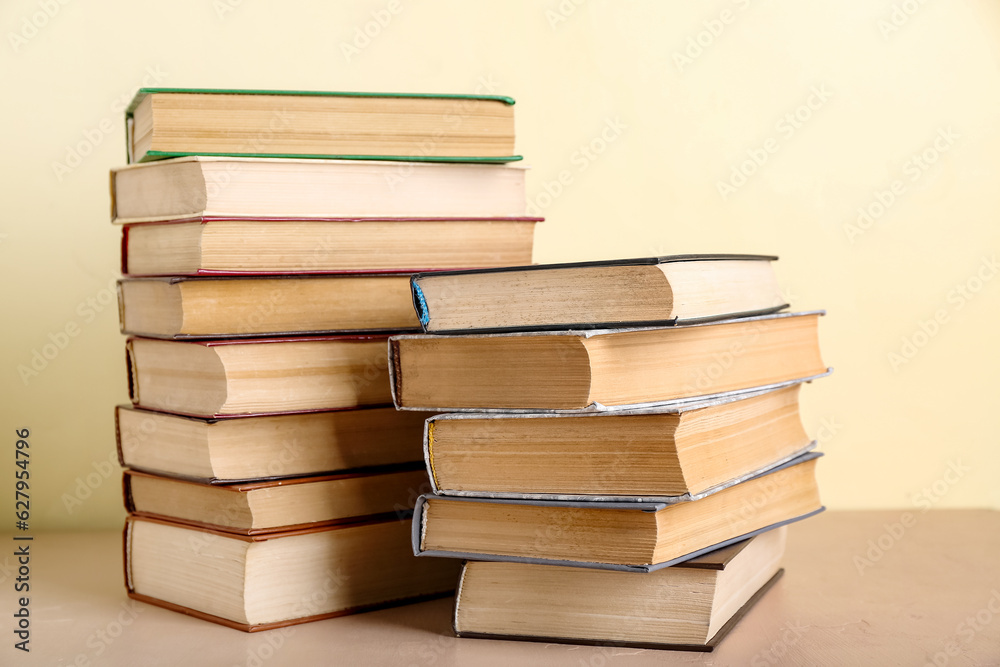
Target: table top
(860,588)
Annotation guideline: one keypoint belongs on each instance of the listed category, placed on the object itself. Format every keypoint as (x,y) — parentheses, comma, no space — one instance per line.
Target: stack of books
(622,444)
(267,245)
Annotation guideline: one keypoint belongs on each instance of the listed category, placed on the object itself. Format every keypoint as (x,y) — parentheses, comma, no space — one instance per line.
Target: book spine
(124,251)
(420,304)
(127,492)
(118,438)
(127,555)
(429,455)
(133,372)
(417,526)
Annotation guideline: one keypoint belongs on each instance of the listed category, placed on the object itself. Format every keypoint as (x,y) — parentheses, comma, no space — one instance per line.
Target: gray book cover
(419,517)
(394,379)
(678,408)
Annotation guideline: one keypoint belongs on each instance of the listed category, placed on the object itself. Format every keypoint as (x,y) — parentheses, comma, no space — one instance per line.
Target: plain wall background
(670,97)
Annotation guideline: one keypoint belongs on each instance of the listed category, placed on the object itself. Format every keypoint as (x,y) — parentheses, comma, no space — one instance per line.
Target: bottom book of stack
(264,581)
(690,606)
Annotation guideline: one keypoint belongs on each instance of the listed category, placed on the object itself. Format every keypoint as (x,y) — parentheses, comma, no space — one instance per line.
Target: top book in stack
(173,122)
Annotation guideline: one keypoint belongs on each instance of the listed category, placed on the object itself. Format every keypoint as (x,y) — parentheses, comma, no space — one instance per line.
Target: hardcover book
(245,448)
(663,454)
(690,606)
(598,295)
(262,582)
(282,189)
(180,308)
(609,369)
(634,535)
(258,375)
(270,506)
(170,122)
(227,246)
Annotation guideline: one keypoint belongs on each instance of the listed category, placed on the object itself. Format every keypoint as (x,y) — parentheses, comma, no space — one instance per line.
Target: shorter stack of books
(622,446)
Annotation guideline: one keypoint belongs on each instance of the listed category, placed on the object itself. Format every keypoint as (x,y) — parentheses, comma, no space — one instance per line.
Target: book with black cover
(707,647)
(610,294)
(691,606)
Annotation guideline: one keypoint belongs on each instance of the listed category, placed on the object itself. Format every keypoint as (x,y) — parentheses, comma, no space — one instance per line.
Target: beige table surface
(916,597)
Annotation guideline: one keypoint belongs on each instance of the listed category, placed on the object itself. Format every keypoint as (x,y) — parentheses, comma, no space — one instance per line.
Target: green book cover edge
(152,156)
(142,92)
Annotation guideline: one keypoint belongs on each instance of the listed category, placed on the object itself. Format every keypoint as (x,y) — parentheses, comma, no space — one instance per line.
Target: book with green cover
(174,122)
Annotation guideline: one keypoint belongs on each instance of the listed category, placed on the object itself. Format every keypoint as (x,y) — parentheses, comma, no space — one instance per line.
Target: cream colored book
(262,188)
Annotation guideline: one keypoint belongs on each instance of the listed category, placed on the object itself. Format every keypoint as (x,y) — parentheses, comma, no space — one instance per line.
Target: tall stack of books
(267,245)
(622,446)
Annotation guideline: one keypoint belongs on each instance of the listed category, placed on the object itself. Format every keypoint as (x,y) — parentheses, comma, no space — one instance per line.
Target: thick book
(634,535)
(262,582)
(257,375)
(603,369)
(691,606)
(598,295)
(169,122)
(270,506)
(227,246)
(248,448)
(660,454)
(248,306)
(281,189)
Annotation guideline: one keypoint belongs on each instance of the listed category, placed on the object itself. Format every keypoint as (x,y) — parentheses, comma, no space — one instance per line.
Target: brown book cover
(132,371)
(212,218)
(243,487)
(246,627)
(347,469)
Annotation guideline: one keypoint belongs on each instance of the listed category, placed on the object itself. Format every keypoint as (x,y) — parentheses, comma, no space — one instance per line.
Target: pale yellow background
(672,131)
